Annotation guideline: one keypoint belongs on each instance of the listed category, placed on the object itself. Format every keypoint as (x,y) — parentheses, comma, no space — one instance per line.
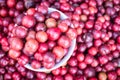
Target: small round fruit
(14,53)
(59,52)
(35,64)
(31,47)
(51,22)
(16,43)
(28,21)
(41,36)
(63,27)
(102,76)
(71,33)
(64,41)
(53,33)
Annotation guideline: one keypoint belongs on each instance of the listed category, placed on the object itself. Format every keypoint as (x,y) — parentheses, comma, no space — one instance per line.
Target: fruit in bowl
(43,39)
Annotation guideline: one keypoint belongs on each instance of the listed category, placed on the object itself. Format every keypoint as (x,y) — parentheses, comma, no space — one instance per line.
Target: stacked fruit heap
(42,38)
(28,34)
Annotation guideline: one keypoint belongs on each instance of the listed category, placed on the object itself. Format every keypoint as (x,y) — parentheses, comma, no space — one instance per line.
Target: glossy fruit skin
(28,21)
(87,37)
(22,60)
(89,72)
(50,22)
(43,47)
(19,6)
(55,15)
(30,35)
(92,51)
(58,51)
(103,59)
(65,7)
(72,62)
(80,57)
(71,33)
(2,53)
(88,59)
(56,72)
(31,47)
(49,65)
(48,57)
(14,53)
(42,9)
(31,11)
(109,66)
(38,56)
(102,76)
(63,71)
(13,41)
(18,19)
(118,71)
(16,75)
(41,36)
(64,41)
(51,44)
(3,12)
(4,61)
(30,75)
(39,17)
(21,32)
(41,75)
(35,64)
(63,27)
(104,50)
(11,3)
(73,70)
(68,77)
(112,75)
(117,20)
(29,4)
(7,76)
(89,24)
(40,27)
(53,33)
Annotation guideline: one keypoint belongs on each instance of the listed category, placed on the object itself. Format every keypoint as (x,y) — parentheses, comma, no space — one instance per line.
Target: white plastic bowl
(65,59)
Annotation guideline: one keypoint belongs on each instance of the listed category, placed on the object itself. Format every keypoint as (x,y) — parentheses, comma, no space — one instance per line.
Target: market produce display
(31,35)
